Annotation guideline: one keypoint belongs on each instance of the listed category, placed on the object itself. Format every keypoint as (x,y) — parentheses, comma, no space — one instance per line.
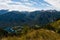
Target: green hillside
(56,25)
(40,34)
(43,33)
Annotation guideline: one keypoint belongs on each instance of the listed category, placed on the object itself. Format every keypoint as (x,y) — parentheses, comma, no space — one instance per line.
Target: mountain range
(16,18)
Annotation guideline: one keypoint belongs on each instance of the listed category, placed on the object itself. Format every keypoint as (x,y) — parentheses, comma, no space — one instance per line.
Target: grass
(40,34)
(46,33)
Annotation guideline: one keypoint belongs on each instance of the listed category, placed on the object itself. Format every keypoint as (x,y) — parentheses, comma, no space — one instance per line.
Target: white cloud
(54,3)
(4,5)
(21,7)
(28,4)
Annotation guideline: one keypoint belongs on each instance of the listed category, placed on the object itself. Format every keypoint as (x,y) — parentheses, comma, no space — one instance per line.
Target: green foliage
(47,32)
(49,27)
(56,25)
(3,33)
(25,29)
(41,34)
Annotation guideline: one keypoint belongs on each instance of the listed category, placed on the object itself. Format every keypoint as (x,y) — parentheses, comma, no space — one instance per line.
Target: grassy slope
(56,24)
(40,34)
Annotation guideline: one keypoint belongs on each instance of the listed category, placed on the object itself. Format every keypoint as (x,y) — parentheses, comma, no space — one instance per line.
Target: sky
(30,5)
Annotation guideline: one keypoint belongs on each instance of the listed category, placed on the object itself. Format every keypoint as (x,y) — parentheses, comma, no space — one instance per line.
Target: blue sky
(30,5)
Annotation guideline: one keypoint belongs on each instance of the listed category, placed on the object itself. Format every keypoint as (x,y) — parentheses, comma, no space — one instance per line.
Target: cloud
(8,4)
(25,5)
(54,3)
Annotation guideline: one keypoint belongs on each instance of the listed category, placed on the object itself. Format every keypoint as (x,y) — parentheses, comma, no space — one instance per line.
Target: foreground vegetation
(40,34)
(50,31)
(35,33)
